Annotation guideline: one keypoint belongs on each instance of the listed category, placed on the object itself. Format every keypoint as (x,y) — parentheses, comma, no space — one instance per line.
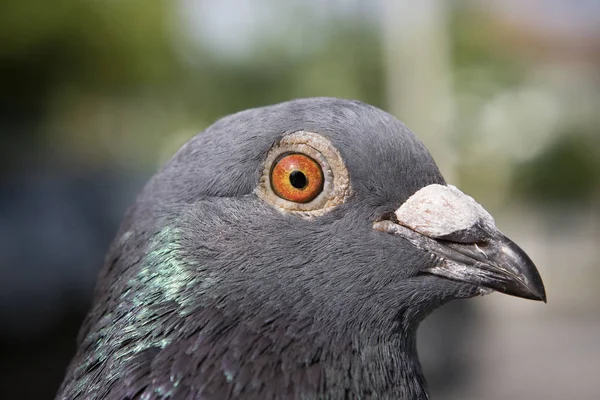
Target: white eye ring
(336,183)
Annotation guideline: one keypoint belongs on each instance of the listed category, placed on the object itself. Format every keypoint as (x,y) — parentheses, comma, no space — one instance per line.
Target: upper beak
(463,238)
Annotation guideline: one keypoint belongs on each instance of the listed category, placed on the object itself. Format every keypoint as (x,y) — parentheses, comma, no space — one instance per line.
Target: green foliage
(347,63)
(569,171)
(104,45)
(103,79)
(476,47)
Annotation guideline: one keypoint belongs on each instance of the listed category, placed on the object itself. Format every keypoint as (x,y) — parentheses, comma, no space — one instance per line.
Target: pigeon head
(288,251)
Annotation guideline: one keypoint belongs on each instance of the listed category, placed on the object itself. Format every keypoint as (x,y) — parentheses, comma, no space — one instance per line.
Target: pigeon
(288,252)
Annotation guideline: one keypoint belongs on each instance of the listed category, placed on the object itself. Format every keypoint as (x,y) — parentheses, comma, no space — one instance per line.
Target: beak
(464,242)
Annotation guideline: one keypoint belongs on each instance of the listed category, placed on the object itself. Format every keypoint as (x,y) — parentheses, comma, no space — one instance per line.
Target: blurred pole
(419,92)
(419,73)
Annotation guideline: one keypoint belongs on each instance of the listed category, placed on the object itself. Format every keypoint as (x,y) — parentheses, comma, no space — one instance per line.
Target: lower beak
(475,252)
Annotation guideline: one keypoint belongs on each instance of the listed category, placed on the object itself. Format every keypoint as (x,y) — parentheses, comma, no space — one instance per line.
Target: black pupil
(298,180)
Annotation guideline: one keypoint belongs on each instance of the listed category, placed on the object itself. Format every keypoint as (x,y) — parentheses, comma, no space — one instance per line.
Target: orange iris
(297,177)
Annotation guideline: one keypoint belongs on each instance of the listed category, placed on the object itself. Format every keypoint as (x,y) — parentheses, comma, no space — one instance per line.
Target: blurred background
(96,95)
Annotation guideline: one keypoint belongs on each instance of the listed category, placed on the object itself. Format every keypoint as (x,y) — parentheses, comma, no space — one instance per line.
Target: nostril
(388,216)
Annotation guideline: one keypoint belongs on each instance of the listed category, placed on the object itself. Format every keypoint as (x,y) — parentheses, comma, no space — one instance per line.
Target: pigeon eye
(297,177)
(304,173)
